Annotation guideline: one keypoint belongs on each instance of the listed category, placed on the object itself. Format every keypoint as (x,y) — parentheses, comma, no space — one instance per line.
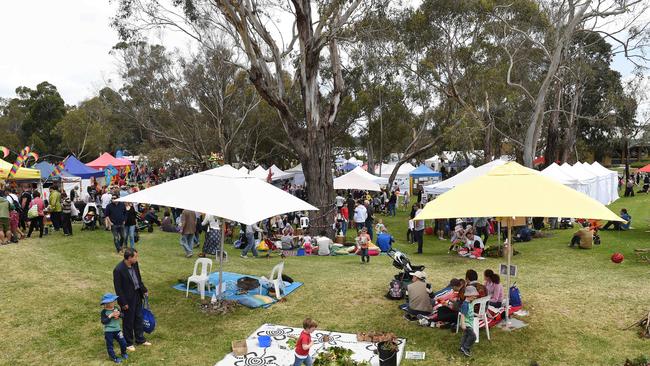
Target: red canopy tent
(107,159)
(645,169)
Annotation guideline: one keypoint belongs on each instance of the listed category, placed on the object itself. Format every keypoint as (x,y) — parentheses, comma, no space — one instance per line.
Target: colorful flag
(58,169)
(5,151)
(109,173)
(19,161)
(34,155)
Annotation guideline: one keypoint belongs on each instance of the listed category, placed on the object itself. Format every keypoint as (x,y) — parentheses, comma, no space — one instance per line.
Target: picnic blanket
(279,354)
(252,299)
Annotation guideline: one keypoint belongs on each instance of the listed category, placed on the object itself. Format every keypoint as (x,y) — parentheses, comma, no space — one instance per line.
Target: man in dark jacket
(131,290)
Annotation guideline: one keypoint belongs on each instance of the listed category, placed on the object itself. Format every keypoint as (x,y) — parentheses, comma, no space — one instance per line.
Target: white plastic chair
(201,280)
(276,279)
(304,222)
(479,317)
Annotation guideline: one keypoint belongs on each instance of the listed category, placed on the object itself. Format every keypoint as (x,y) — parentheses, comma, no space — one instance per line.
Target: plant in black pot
(387,353)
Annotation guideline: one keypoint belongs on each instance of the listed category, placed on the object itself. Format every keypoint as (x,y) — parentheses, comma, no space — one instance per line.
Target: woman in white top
(212,235)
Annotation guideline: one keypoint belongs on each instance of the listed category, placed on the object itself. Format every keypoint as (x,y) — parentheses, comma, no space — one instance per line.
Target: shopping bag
(149,319)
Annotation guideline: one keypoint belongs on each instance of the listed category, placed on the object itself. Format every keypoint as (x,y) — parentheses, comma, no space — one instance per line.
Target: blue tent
(424,172)
(79,169)
(46,170)
(348,166)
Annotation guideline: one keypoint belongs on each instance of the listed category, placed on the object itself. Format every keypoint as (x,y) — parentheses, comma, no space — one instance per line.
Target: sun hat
(471,291)
(108,297)
(419,274)
(459,221)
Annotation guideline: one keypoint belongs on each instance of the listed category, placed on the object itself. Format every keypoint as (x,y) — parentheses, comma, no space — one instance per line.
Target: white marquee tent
(613,178)
(402,172)
(259,173)
(586,179)
(603,186)
(466,175)
(374,178)
(558,174)
(298,175)
(353,180)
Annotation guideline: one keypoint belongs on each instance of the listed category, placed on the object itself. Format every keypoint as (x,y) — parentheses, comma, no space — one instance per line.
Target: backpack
(395,290)
(515,296)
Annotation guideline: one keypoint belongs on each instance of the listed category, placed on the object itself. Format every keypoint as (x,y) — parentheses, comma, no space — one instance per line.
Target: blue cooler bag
(148,318)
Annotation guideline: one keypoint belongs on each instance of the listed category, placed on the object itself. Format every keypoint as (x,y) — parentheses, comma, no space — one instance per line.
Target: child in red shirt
(304,343)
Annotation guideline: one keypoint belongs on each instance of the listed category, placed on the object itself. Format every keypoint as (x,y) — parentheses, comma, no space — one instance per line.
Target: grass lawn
(578,300)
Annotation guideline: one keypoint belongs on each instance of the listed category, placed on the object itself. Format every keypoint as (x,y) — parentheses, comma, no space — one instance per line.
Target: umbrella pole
(499,235)
(223,235)
(508,271)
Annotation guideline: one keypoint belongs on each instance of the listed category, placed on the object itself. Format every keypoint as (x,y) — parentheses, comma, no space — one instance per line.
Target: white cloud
(63,42)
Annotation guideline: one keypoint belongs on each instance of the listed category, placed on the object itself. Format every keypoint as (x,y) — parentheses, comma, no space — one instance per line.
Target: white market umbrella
(352,180)
(243,199)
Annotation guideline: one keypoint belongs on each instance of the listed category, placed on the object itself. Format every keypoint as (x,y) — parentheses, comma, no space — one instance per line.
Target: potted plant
(387,352)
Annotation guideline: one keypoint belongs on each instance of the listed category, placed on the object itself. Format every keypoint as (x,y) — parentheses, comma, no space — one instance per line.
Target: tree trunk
(552,133)
(371,158)
(534,129)
(571,133)
(319,183)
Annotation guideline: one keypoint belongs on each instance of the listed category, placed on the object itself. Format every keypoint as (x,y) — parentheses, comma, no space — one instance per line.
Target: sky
(67,43)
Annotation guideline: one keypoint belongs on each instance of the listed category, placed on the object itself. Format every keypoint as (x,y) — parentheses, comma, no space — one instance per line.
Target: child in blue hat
(110,316)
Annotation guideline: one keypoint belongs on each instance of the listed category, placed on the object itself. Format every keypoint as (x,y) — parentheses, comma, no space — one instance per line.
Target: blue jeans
(391,209)
(250,245)
(130,235)
(344,227)
(119,236)
(110,337)
(187,241)
(307,361)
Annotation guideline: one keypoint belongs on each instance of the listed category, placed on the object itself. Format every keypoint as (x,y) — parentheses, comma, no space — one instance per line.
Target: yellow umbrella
(21,174)
(510,191)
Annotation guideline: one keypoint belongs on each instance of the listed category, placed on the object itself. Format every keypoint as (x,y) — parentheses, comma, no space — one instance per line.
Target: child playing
(304,343)
(363,242)
(467,321)
(14,225)
(458,237)
(110,316)
(380,226)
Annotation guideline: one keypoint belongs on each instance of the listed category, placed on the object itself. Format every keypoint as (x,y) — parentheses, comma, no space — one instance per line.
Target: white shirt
(324,245)
(469,243)
(106,199)
(340,201)
(360,214)
(212,222)
(419,224)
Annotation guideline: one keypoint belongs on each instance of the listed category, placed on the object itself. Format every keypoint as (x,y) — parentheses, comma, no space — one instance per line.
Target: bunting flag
(58,169)
(19,161)
(5,151)
(34,155)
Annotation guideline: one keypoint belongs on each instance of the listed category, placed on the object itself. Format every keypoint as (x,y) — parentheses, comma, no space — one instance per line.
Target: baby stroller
(401,262)
(89,217)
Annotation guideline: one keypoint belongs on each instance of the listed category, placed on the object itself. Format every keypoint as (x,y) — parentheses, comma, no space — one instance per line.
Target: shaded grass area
(578,300)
